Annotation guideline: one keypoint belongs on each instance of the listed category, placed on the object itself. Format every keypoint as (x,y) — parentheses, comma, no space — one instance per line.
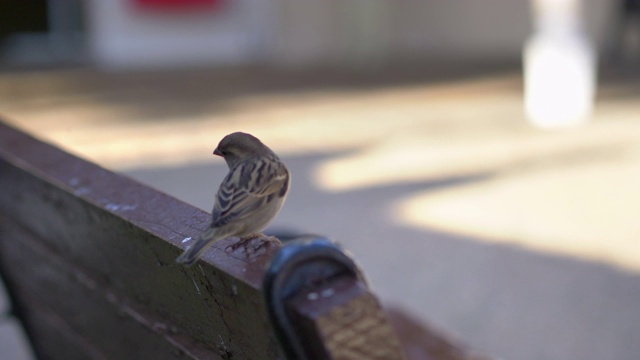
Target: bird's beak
(217,152)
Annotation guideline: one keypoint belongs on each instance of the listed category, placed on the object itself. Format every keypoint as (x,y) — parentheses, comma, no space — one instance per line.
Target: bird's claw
(250,246)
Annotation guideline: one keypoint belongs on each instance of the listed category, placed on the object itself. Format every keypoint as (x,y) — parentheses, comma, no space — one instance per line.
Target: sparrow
(249,197)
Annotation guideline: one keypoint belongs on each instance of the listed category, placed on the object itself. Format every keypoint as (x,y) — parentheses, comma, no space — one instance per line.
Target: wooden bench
(89,261)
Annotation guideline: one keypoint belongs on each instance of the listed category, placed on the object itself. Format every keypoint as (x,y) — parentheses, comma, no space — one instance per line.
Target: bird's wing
(247,187)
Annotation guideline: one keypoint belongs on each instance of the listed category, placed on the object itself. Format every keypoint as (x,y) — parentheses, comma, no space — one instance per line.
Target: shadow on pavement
(504,300)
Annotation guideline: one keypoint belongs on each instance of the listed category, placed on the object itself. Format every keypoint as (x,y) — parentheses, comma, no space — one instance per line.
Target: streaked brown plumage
(249,197)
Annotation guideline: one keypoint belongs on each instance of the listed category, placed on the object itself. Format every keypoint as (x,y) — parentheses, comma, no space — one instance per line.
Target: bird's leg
(251,237)
(246,242)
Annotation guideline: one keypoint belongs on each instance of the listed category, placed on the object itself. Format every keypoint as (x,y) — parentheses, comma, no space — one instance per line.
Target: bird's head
(239,146)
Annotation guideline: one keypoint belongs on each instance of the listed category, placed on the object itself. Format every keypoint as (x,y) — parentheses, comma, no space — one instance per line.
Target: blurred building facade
(179,33)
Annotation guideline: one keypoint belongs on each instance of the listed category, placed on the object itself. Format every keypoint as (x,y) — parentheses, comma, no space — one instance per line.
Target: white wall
(312,32)
(321,31)
(124,36)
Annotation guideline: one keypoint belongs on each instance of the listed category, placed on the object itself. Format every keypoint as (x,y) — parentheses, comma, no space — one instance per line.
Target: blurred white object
(559,67)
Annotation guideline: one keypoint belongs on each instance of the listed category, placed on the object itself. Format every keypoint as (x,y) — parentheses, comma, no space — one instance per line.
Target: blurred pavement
(13,341)
(520,242)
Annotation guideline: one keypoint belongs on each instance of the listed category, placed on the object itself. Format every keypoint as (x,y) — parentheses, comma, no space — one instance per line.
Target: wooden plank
(126,330)
(422,342)
(87,246)
(343,320)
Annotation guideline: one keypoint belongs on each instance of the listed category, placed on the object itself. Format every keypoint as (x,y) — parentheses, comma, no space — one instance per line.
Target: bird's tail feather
(195,250)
